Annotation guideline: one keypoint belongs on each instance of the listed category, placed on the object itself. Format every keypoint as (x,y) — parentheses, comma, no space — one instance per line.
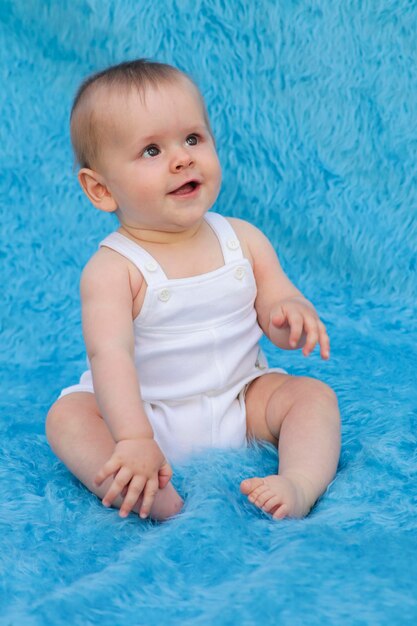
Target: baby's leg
(81,439)
(301,416)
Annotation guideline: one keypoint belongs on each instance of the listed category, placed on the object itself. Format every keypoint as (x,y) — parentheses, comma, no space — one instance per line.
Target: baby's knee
(57,424)
(53,423)
(317,391)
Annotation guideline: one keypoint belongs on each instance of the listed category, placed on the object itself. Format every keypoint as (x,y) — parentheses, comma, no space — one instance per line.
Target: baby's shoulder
(244,228)
(104,260)
(108,267)
(249,235)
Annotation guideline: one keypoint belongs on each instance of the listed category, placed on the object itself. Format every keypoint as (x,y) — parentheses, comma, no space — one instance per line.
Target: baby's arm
(137,460)
(288,319)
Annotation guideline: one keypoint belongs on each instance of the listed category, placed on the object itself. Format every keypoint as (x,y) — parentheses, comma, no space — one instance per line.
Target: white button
(233,244)
(151,266)
(164,295)
(239,273)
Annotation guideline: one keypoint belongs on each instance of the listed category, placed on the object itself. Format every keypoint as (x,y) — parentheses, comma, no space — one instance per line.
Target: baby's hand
(137,466)
(305,327)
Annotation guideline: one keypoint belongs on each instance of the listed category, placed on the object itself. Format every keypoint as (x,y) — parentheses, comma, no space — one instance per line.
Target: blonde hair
(86,129)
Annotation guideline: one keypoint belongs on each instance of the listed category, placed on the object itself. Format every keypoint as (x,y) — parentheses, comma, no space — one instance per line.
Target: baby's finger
(295,321)
(121,479)
(164,475)
(312,336)
(133,492)
(324,341)
(109,469)
(149,494)
(278,318)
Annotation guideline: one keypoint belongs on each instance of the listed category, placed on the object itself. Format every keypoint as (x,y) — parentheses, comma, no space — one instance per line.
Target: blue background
(314,108)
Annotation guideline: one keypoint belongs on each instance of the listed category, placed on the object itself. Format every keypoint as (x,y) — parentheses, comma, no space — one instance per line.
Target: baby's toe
(272,504)
(260,496)
(280,512)
(250,484)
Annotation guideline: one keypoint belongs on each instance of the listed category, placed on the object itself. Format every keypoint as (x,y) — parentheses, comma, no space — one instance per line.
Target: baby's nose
(182,160)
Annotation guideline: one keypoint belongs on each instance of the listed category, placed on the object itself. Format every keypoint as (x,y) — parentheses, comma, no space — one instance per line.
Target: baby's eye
(192,140)
(151,151)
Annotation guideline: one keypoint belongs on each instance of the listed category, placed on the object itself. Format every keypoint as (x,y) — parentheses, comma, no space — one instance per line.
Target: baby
(173,306)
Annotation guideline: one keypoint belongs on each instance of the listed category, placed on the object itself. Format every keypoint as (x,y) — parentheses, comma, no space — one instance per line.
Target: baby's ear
(96,190)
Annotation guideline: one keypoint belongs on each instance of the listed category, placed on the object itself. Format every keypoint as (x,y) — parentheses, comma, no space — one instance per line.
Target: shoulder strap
(146,264)
(226,235)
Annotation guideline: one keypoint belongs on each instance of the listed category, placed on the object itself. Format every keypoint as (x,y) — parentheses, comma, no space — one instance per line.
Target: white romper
(196,348)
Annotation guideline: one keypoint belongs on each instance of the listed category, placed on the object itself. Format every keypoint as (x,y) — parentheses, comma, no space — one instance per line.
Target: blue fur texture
(314,107)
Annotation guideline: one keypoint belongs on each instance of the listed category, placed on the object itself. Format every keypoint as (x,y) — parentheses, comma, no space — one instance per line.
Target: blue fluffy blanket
(314,107)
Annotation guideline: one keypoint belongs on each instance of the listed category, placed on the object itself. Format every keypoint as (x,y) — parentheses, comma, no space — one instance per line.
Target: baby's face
(158,158)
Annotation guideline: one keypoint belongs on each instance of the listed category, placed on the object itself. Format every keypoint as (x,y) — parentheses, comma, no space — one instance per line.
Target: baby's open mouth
(186,188)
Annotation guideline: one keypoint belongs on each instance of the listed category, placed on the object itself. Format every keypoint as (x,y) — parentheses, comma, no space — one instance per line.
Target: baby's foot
(280,496)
